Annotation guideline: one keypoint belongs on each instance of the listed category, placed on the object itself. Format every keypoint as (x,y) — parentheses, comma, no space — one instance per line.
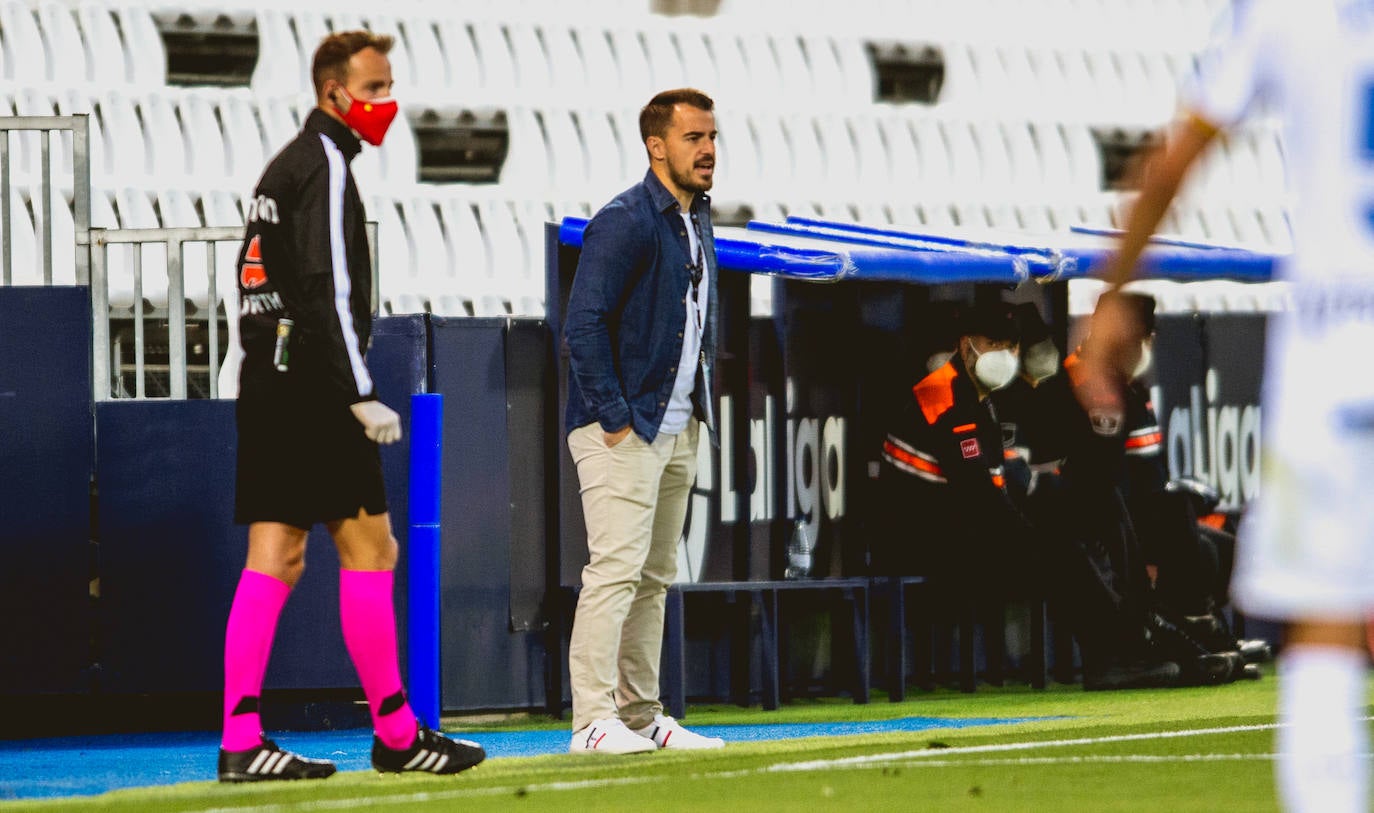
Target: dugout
(140,614)
(803,384)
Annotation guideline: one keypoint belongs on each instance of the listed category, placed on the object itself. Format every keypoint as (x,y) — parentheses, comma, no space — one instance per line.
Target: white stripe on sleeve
(343,286)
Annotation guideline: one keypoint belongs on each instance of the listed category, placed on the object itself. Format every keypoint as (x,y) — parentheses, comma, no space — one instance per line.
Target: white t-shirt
(1310,62)
(694,321)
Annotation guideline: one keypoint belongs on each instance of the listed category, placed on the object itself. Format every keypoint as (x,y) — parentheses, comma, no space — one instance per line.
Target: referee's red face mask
(365,103)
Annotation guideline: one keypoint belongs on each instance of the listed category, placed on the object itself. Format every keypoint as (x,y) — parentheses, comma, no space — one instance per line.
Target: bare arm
(1114,340)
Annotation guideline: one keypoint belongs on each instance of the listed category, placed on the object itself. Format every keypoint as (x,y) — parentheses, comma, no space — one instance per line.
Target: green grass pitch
(1196,749)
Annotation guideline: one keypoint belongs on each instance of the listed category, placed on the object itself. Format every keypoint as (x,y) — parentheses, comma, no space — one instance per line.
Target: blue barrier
(827,251)
(426,466)
(818,260)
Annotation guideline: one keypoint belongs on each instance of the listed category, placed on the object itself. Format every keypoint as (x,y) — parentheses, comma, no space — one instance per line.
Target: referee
(309,424)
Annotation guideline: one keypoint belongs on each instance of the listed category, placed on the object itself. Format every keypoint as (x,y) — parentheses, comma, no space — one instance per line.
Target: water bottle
(799,550)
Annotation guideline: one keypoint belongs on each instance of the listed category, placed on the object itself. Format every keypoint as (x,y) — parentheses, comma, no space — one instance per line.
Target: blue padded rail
(829,251)
(820,260)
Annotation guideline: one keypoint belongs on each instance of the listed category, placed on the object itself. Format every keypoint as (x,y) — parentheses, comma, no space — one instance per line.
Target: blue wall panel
(171,555)
(484,663)
(46,458)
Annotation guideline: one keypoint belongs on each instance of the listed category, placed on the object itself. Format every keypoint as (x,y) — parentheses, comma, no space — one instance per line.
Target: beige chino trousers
(634,497)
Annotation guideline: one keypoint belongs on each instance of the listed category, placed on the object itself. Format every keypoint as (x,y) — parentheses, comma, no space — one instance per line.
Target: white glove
(380,422)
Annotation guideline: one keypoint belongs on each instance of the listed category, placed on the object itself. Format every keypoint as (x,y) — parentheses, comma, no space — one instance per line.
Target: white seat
(143,47)
(598,61)
(530,218)
(278,69)
(465,68)
(994,157)
(528,164)
(737,89)
(124,158)
(567,156)
(827,79)
(432,261)
(27,56)
(431,81)
(605,175)
(665,65)
(697,60)
(162,128)
(938,171)
(904,155)
(135,211)
(763,75)
(841,161)
(500,79)
(177,210)
(568,74)
(632,64)
(508,255)
(70,65)
(472,271)
(24,257)
(874,170)
(280,122)
(210,157)
(532,73)
(398,291)
(809,162)
(632,155)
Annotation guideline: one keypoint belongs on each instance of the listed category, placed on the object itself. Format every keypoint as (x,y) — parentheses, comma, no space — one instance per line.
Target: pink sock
(247,646)
(367,613)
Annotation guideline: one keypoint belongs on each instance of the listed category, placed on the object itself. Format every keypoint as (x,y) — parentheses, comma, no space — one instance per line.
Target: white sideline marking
(1010,746)
(925,757)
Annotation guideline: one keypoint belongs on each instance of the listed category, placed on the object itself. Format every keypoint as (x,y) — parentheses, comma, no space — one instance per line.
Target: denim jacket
(626,313)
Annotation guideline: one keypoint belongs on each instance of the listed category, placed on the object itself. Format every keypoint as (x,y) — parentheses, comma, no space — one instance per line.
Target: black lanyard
(698,268)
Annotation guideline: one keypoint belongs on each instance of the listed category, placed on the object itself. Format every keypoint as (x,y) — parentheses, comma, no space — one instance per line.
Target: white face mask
(937,360)
(995,368)
(1041,360)
(1146,359)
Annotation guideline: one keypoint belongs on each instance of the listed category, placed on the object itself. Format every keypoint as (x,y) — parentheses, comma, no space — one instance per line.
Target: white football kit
(1307,545)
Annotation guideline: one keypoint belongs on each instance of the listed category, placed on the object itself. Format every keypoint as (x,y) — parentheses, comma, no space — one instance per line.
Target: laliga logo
(1217,444)
(814,475)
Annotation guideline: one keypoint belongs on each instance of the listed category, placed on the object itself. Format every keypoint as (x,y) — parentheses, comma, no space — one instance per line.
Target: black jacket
(305,257)
(944,463)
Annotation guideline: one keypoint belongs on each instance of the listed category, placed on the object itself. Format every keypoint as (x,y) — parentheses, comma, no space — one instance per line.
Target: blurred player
(1306,550)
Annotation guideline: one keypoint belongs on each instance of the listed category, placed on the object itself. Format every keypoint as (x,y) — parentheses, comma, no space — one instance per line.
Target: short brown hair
(658,113)
(332,55)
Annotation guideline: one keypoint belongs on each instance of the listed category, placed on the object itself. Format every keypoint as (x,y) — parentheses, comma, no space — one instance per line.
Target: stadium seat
(500,78)
(605,175)
(474,280)
(398,289)
(632,64)
(27,55)
(135,208)
(278,69)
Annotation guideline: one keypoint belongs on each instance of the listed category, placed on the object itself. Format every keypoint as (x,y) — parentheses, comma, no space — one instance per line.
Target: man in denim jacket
(641,333)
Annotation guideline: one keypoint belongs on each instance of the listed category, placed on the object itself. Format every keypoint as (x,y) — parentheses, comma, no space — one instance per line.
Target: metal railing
(107,357)
(79,127)
(174,240)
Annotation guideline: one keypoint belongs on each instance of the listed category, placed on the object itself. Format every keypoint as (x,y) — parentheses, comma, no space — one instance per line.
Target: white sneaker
(669,733)
(608,736)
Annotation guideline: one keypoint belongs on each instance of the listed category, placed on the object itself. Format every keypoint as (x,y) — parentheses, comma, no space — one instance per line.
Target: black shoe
(1130,675)
(431,751)
(268,762)
(1249,671)
(1255,650)
(1201,665)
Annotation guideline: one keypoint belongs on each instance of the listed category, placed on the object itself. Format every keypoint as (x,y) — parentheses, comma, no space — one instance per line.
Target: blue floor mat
(81,766)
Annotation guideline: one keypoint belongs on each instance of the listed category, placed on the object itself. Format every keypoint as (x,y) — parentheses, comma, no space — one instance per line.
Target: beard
(689,181)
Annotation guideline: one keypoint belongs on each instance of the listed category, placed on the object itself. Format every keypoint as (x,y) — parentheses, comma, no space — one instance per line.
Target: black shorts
(302,460)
